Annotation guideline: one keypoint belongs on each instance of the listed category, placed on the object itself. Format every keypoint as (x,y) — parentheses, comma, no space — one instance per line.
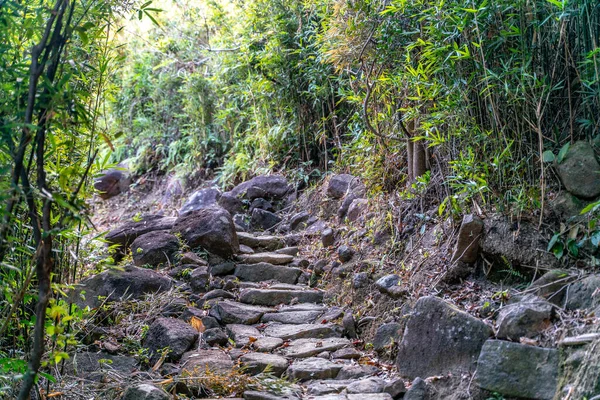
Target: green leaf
(573,247)
(553,241)
(154,21)
(558,250)
(563,152)
(590,207)
(548,156)
(595,239)
(48,376)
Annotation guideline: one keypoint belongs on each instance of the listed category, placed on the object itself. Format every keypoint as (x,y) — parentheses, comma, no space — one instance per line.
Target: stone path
(254,310)
(274,323)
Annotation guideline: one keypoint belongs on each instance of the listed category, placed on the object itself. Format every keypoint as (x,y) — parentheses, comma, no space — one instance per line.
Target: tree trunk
(416,155)
(409,155)
(419,166)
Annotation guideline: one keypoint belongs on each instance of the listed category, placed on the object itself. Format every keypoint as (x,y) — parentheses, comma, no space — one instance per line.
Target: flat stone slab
(303,331)
(241,334)
(255,363)
(302,307)
(301,348)
(518,370)
(264,272)
(271,258)
(313,368)
(270,243)
(362,396)
(231,312)
(346,353)
(367,385)
(287,286)
(291,251)
(292,317)
(329,386)
(273,297)
(256,395)
(356,371)
(267,344)
(198,361)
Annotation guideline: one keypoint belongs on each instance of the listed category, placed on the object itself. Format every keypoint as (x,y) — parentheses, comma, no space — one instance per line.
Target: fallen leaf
(197,324)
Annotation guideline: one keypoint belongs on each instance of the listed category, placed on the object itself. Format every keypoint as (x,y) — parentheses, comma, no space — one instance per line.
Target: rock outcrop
(439,339)
(210,228)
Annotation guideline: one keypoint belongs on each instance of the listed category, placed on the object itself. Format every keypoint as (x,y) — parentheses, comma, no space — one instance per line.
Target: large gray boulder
(172,333)
(341,184)
(439,339)
(386,335)
(112,182)
(210,228)
(95,366)
(155,249)
(203,198)
(518,370)
(552,286)
(524,319)
(518,244)
(125,234)
(263,219)
(579,171)
(113,285)
(584,294)
(231,203)
(266,186)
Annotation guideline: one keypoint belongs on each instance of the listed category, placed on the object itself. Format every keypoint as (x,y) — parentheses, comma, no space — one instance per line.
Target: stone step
(267,344)
(264,272)
(291,251)
(270,243)
(273,297)
(287,286)
(369,385)
(302,348)
(271,258)
(231,312)
(256,395)
(313,368)
(303,331)
(361,396)
(242,334)
(292,317)
(255,363)
(302,307)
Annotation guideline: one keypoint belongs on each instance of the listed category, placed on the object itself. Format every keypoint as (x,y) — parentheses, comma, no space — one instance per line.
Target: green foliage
(56,62)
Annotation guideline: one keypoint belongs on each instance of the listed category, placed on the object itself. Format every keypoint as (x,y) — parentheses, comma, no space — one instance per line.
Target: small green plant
(137,217)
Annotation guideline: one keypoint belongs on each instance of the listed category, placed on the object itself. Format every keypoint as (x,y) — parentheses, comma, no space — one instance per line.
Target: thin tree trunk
(410,149)
(50,52)
(419,159)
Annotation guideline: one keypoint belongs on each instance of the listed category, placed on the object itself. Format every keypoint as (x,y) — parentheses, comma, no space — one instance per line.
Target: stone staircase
(274,324)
